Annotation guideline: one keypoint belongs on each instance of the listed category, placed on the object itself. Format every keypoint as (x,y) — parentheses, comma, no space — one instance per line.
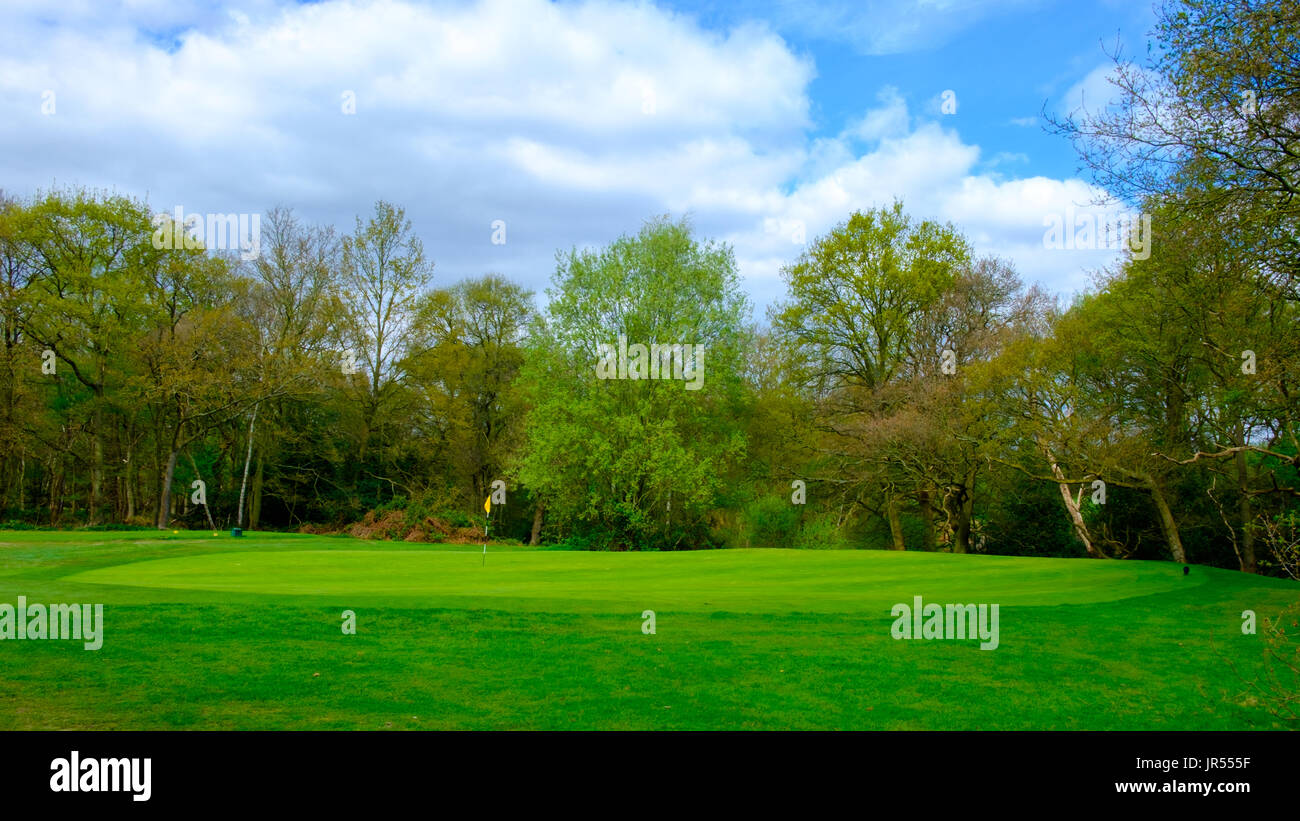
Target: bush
(395,503)
(15,524)
(771,521)
(458,518)
(821,532)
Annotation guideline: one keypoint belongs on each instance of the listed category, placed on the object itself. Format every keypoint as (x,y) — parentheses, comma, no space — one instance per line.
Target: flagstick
(486,521)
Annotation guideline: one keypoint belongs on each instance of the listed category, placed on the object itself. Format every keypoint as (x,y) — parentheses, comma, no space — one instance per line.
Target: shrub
(458,518)
(771,521)
(821,532)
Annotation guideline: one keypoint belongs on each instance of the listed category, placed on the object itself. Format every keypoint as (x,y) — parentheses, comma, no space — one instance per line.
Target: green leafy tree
(637,462)
(467,350)
(856,296)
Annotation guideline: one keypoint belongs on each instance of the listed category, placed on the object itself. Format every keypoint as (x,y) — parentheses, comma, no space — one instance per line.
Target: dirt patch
(391,526)
(320,530)
(386,527)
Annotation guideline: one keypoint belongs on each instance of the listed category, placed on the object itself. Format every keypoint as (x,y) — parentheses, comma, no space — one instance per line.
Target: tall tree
(467,344)
(384,271)
(855,296)
(615,453)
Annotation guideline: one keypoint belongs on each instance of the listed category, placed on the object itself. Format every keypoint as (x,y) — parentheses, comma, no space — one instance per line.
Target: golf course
(205,631)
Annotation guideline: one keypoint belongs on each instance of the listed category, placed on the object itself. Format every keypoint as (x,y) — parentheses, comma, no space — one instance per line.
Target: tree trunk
(895,526)
(1072,507)
(128,481)
(56,495)
(1167,524)
(963,505)
(207,509)
(255,506)
(243,486)
(96,470)
(1247,515)
(536,536)
(165,496)
(1076,517)
(927,519)
(961,533)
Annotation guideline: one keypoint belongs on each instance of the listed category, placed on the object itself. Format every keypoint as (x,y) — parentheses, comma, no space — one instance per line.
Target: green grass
(210,632)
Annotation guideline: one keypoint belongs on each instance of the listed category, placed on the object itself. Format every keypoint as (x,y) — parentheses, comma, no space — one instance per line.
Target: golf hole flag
(487,508)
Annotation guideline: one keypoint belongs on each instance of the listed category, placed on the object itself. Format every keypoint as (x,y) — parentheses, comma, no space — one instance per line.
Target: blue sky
(572,122)
(1004,61)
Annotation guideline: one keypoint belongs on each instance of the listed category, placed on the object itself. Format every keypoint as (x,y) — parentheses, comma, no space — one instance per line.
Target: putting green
(749,580)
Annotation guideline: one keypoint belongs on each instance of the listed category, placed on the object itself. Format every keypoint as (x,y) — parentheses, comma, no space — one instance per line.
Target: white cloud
(571,122)
(935,175)
(1092,94)
(889,120)
(1005,157)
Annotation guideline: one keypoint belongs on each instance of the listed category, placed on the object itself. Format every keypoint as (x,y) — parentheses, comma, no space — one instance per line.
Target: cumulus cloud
(571,122)
(934,172)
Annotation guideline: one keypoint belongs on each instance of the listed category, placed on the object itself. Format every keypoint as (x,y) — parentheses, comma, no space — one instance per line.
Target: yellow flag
(487,505)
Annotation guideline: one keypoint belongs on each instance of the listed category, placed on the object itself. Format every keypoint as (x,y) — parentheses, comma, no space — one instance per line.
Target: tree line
(905,393)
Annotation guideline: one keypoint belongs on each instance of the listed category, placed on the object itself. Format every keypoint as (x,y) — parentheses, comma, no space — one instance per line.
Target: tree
(1205,135)
(90,257)
(22,401)
(1211,123)
(384,271)
(294,308)
(466,354)
(855,296)
(942,434)
(199,359)
(614,453)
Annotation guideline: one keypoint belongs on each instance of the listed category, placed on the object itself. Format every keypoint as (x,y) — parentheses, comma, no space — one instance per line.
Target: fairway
(209,632)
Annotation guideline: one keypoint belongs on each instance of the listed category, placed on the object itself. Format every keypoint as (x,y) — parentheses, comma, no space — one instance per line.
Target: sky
(509,130)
